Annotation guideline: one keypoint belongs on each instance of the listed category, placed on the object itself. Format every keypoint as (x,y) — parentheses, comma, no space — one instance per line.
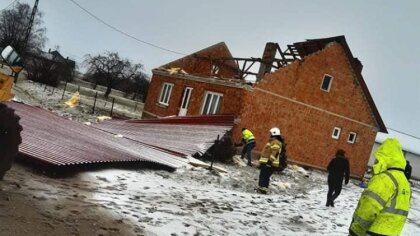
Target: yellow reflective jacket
(247,136)
(271,153)
(384,204)
(6,84)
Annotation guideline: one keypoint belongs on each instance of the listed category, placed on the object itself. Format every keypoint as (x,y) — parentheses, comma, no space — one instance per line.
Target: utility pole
(27,34)
(31,22)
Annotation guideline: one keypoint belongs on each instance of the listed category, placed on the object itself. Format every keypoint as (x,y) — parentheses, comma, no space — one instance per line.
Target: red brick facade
(231,101)
(198,66)
(291,99)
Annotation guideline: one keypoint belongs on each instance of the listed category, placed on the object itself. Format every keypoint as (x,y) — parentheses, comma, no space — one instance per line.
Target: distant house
(70,64)
(49,67)
(313,91)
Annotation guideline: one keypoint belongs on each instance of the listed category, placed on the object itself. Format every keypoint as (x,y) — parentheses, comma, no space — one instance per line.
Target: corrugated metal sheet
(57,141)
(185,136)
(52,139)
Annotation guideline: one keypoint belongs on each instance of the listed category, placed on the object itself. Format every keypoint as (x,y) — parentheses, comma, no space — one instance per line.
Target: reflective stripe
(375,196)
(250,141)
(263,160)
(392,208)
(365,223)
(396,211)
(275,146)
(394,198)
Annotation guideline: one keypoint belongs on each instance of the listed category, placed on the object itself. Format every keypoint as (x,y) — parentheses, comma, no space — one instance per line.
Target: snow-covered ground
(185,202)
(38,95)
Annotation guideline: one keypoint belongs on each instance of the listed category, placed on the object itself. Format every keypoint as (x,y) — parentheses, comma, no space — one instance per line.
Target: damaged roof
(297,51)
(182,135)
(200,63)
(56,141)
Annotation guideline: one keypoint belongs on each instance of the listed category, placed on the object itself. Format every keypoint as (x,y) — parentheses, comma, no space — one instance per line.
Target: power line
(122,32)
(10,4)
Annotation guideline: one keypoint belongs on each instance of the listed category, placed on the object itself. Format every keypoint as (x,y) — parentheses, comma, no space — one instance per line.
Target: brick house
(314,93)
(181,92)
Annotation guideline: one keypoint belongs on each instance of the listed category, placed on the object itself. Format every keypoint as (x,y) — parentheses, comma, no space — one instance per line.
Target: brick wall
(231,102)
(307,115)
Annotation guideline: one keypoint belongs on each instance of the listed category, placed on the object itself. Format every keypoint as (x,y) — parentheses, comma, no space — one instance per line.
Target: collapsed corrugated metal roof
(183,135)
(53,140)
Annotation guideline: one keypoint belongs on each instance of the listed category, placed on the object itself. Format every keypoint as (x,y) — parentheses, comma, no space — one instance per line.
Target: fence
(95,100)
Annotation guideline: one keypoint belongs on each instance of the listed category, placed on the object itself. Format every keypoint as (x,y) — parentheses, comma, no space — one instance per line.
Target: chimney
(267,60)
(358,64)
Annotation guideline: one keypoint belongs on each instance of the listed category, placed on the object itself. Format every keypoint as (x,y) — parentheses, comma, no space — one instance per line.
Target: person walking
(269,159)
(407,170)
(338,168)
(249,140)
(383,206)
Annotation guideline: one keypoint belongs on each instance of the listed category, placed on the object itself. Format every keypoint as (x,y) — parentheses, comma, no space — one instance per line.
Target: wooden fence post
(112,107)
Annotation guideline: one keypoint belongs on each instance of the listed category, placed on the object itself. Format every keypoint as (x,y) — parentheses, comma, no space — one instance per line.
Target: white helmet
(275,131)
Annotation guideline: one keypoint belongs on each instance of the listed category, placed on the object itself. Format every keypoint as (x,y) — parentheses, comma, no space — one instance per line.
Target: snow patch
(282,185)
(238,161)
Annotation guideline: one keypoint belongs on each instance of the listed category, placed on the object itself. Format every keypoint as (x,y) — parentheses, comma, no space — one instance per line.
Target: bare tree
(13,26)
(109,69)
(141,85)
(137,87)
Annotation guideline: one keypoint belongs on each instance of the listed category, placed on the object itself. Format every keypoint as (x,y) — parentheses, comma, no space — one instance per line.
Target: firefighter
(269,159)
(384,204)
(249,140)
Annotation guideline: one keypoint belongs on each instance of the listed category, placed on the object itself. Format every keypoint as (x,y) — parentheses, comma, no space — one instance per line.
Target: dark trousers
(265,174)
(334,188)
(247,151)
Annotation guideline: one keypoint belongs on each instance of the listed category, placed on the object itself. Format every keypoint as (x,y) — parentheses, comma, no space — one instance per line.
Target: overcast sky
(384,35)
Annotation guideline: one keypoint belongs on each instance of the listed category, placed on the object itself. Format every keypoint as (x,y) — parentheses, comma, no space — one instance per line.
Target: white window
(336,133)
(165,94)
(326,83)
(212,102)
(352,137)
(215,69)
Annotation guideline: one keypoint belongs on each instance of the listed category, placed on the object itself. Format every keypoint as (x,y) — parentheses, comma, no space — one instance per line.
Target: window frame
(338,135)
(354,139)
(329,85)
(186,97)
(215,69)
(165,93)
(216,109)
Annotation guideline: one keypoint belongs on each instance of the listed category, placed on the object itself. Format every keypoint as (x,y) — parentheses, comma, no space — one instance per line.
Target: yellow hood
(389,154)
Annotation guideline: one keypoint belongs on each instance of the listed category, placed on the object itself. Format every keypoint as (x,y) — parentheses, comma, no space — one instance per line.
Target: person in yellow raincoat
(249,140)
(383,206)
(269,159)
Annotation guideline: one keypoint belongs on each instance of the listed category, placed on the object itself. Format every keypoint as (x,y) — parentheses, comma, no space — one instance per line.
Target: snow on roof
(409,143)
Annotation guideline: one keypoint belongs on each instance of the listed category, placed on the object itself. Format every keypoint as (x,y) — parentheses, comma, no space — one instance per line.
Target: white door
(185,101)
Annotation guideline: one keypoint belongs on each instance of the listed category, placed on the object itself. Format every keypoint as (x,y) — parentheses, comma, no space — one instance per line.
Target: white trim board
(317,108)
